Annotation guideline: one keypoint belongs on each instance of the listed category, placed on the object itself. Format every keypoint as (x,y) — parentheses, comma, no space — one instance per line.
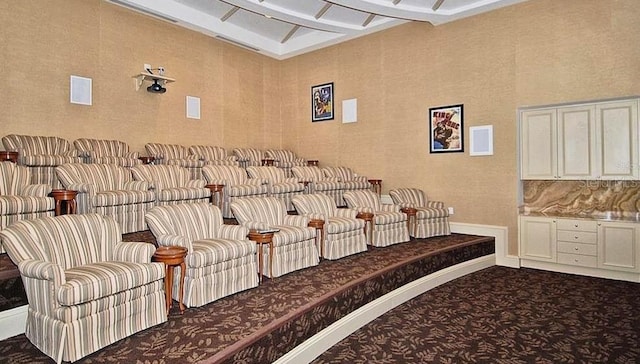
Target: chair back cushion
(208,152)
(270,173)
(317,203)
(167,151)
(36,145)
(104,177)
(231,175)
(101,147)
(362,198)
(280,155)
(342,173)
(269,210)
(308,173)
(12,177)
(412,196)
(68,240)
(195,221)
(249,154)
(162,176)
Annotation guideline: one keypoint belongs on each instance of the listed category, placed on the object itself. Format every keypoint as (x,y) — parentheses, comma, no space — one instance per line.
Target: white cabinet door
(618,246)
(617,131)
(538,238)
(538,140)
(577,143)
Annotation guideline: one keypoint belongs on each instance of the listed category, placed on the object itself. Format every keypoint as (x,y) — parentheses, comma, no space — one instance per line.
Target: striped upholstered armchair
(220,260)
(389,225)
(42,154)
(248,157)
(319,183)
(280,186)
(176,155)
(19,199)
(432,218)
(236,184)
(213,155)
(294,244)
(109,189)
(284,159)
(343,232)
(172,184)
(106,152)
(350,180)
(85,287)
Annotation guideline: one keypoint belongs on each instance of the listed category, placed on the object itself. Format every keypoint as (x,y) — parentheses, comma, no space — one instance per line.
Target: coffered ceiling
(285,28)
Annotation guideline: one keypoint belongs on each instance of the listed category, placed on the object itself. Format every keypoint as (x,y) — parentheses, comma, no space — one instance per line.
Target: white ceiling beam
(323,10)
(290,34)
(229,13)
(395,2)
(368,20)
(437,5)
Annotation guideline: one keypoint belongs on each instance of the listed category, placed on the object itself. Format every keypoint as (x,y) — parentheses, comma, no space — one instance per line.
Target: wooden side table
(411,219)
(313,162)
(318,224)
(267,162)
(376,186)
(8,156)
(147,160)
(172,256)
(66,197)
(368,227)
(216,194)
(261,239)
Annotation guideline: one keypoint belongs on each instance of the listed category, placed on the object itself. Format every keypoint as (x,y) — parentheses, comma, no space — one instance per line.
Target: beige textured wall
(538,52)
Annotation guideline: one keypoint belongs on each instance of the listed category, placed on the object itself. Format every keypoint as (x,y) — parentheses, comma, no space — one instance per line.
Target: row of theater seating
(43,153)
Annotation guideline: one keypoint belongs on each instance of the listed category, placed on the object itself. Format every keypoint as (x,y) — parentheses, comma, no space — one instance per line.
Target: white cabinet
(580,142)
(581,243)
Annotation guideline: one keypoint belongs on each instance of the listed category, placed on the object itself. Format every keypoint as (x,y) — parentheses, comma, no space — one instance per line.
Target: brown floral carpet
(504,315)
(261,324)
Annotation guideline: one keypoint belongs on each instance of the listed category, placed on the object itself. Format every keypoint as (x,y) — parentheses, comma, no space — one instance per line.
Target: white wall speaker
(193,107)
(80,90)
(481,140)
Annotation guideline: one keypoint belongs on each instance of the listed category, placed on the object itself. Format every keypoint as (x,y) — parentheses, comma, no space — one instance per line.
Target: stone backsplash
(582,197)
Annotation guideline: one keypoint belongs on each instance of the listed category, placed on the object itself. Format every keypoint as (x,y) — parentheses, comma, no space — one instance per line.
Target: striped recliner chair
(19,199)
(106,152)
(213,155)
(432,218)
(248,157)
(319,183)
(220,259)
(343,232)
(389,225)
(350,181)
(294,244)
(109,189)
(42,154)
(175,155)
(280,186)
(236,184)
(172,184)
(284,159)
(85,287)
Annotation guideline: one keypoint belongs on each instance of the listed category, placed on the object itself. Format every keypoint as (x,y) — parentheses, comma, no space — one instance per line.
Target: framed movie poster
(446,129)
(322,102)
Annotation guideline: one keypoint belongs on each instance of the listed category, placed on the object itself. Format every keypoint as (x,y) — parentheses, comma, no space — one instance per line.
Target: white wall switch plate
(450,210)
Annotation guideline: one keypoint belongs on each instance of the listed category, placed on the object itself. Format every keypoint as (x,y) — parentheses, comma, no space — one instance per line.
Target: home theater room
(320,181)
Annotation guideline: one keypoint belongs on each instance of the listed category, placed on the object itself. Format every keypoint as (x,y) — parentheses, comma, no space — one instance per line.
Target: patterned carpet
(261,324)
(504,315)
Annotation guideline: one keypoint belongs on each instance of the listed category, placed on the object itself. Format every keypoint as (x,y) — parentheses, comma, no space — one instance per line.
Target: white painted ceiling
(285,28)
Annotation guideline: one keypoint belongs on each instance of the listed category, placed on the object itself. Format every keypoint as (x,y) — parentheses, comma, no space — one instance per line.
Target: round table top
(170,252)
(61,194)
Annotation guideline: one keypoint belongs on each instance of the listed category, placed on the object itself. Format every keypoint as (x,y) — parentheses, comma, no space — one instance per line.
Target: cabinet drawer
(576,259)
(576,248)
(577,237)
(579,225)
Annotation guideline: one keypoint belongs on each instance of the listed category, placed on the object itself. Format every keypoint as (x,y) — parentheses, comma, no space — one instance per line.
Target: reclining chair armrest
(292,180)
(257,181)
(72,153)
(257,225)
(364,209)
(236,232)
(222,182)
(42,270)
(389,207)
(196,183)
(232,158)
(132,155)
(36,190)
(296,220)
(316,216)
(346,213)
(174,240)
(137,186)
(82,188)
(135,252)
(435,204)
(407,204)
(361,178)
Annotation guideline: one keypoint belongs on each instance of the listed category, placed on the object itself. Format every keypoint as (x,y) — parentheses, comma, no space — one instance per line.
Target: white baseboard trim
(319,343)
(583,271)
(13,322)
(500,233)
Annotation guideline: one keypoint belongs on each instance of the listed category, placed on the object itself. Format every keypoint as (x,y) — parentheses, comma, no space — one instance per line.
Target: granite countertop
(622,216)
